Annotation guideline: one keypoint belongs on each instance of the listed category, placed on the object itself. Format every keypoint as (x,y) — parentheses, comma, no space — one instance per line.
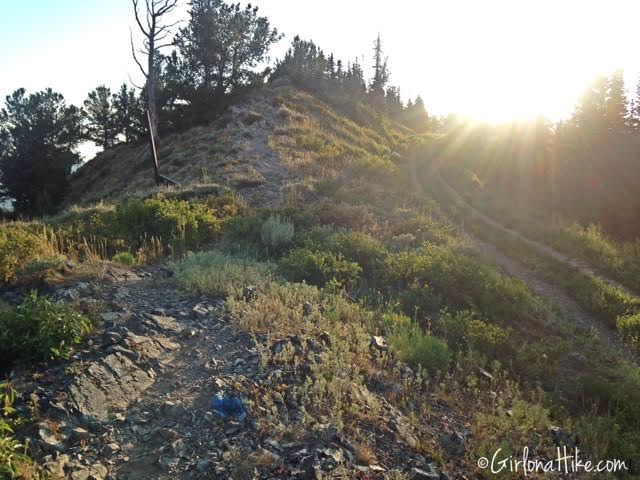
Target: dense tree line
(307,66)
(585,167)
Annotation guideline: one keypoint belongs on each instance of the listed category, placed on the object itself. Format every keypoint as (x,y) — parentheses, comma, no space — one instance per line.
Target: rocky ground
(135,401)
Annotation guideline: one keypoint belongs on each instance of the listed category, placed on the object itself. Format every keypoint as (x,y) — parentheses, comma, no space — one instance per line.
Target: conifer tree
(380,71)
(100,116)
(39,134)
(616,104)
(129,114)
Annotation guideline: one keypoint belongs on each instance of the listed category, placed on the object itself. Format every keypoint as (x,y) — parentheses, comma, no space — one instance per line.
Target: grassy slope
(511,357)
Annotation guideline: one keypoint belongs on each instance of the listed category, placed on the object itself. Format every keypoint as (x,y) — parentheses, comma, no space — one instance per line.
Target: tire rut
(575,263)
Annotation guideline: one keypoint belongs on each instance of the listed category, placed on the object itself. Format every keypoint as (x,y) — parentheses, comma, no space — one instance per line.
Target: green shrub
(19,243)
(276,233)
(464,331)
(242,233)
(319,268)
(124,258)
(170,220)
(441,276)
(14,461)
(40,329)
(629,330)
(414,346)
(361,248)
(215,273)
(174,222)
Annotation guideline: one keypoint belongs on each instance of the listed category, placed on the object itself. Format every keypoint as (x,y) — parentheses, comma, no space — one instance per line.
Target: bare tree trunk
(153,33)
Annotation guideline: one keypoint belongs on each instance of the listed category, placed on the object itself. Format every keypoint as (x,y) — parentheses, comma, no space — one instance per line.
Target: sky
(492,60)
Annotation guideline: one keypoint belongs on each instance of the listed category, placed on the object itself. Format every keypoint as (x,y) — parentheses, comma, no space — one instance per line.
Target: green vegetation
(138,230)
(14,460)
(629,328)
(218,274)
(417,348)
(124,258)
(19,244)
(319,268)
(39,329)
(276,233)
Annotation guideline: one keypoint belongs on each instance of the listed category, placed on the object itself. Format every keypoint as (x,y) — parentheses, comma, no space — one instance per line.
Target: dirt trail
(541,247)
(549,292)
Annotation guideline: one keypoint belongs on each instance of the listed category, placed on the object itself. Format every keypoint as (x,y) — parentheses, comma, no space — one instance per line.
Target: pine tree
(616,103)
(129,114)
(100,116)
(380,71)
(222,44)
(39,134)
(393,104)
(331,68)
(591,109)
(416,115)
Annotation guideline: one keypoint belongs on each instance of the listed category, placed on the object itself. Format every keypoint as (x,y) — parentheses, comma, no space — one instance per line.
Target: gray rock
(110,317)
(111,338)
(168,463)
(453,443)
(201,310)
(94,472)
(174,410)
(112,448)
(420,474)
(561,438)
(79,434)
(48,438)
(325,339)
(115,382)
(203,466)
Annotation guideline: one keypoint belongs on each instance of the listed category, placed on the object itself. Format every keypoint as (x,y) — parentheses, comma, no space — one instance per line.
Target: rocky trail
(135,401)
(545,249)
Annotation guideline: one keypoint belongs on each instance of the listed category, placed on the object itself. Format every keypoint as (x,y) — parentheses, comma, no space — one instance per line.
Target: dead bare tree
(155,30)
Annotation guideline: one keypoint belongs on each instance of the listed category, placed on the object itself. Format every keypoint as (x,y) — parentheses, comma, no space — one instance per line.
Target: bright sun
(505,60)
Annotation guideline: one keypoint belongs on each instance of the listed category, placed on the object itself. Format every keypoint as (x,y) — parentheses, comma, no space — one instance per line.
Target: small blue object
(226,406)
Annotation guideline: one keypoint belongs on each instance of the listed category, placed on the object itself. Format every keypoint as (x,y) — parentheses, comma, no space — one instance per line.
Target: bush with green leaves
(361,248)
(319,268)
(465,331)
(124,258)
(216,273)
(276,233)
(629,330)
(14,461)
(416,347)
(174,222)
(438,276)
(40,329)
(19,243)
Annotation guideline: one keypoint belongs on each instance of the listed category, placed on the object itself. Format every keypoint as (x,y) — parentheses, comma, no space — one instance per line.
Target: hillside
(360,319)
(273,142)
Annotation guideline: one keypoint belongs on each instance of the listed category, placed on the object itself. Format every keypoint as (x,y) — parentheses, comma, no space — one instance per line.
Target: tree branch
(135,10)
(135,57)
